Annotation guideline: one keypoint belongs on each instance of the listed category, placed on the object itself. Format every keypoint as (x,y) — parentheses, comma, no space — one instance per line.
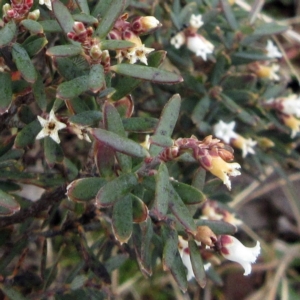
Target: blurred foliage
(110,121)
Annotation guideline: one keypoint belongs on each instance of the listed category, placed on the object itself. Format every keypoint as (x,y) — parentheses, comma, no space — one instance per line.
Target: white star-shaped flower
(196,21)
(224,131)
(80,132)
(290,105)
(272,50)
(139,53)
(178,40)
(233,249)
(50,127)
(47,3)
(247,146)
(200,46)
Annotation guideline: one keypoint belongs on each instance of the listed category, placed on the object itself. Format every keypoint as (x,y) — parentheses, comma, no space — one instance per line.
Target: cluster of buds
(90,45)
(288,109)
(211,210)
(130,31)
(18,10)
(225,132)
(210,153)
(228,246)
(268,69)
(194,41)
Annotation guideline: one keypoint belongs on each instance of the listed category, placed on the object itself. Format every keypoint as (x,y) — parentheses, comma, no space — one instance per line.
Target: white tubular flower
(178,40)
(79,131)
(264,71)
(184,252)
(224,131)
(233,249)
(50,127)
(47,3)
(223,170)
(272,50)
(290,105)
(200,46)
(196,21)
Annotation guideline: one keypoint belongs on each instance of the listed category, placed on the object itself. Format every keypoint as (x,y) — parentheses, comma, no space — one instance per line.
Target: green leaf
(101,8)
(71,170)
(178,272)
(113,123)
(53,151)
(84,189)
(33,26)
(270,28)
(12,293)
(118,143)
(104,157)
(170,251)
(71,68)
(73,88)
(139,209)
(7,186)
(24,63)
(64,50)
(96,78)
(34,44)
(8,205)
(116,189)
(5,92)
(229,14)
(86,118)
(116,44)
(83,5)
(50,26)
(218,227)
(85,18)
(140,124)
(39,92)
(197,263)
(199,179)
(63,16)
(166,122)
(115,262)
(188,194)
(111,15)
(122,219)
(127,84)
(246,57)
(27,135)
(161,200)
(7,33)
(147,73)
(180,211)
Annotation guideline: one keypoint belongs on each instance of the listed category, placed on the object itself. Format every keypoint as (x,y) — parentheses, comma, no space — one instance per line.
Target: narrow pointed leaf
(7,33)
(178,272)
(33,26)
(116,45)
(12,293)
(147,73)
(50,26)
(64,50)
(127,84)
(86,118)
(180,211)
(113,123)
(140,124)
(53,151)
(166,122)
(83,5)
(170,236)
(73,88)
(39,92)
(68,68)
(218,227)
(118,143)
(24,63)
(161,201)
(63,16)
(188,194)
(229,14)
(96,78)
(85,18)
(113,12)
(85,189)
(8,205)
(199,179)
(5,92)
(197,263)
(34,44)
(122,219)
(116,189)
(104,157)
